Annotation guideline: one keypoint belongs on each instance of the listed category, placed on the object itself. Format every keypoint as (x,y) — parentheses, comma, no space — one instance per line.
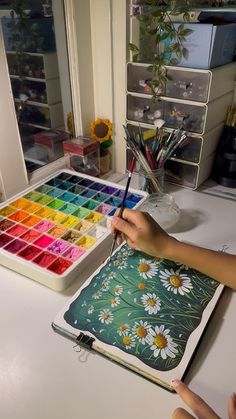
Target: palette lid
(80,145)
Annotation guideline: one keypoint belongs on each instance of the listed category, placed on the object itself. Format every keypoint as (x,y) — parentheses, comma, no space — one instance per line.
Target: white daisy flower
(115,302)
(111,275)
(147,268)
(118,289)
(105,285)
(161,343)
(141,331)
(97,295)
(122,264)
(128,341)
(123,329)
(90,309)
(175,281)
(151,303)
(106,316)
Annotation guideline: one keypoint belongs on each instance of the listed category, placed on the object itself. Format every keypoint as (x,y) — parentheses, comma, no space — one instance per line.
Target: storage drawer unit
(193,116)
(184,83)
(42,116)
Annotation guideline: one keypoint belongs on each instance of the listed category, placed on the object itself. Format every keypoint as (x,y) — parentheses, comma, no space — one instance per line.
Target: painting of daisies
(143,306)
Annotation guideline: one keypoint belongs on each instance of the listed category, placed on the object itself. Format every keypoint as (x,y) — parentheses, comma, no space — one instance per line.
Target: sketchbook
(143,312)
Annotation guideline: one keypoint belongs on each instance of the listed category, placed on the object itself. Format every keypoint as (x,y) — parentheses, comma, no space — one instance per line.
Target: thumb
(232,406)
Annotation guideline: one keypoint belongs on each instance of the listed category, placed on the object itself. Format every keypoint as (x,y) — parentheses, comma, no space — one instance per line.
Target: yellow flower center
(141,332)
(127,340)
(122,327)
(106,316)
(113,301)
(143,267)
(151,302)
(141,285)
(160,341)
(176,281)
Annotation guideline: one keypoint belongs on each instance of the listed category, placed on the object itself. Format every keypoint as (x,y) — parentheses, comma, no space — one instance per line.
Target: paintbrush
(122,207)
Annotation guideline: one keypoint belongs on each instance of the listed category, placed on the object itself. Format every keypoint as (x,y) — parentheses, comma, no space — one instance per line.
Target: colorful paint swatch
(33,207)
(44,259)
(44,200)
(44,225)
(71,236)
(86,242)
(81,212)
(83,226)
(32,196)
(56,204)
(68,208)
(91,204)
(58,247)
(44,212)
(73,253)
(30,235)
(44,241)
(70,221)
(54,192)
(31,220)
(57,231)
(29,252)
(21,203)
(93,217)
(5,224)
(60,266)
(56,217)
(44,189)
(67,196)
(15,246)
(17,230)
(18,216)
(6,211)
(104,208)
(4,239)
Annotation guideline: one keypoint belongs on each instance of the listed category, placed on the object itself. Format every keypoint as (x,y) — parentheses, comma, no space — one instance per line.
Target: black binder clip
(85,340)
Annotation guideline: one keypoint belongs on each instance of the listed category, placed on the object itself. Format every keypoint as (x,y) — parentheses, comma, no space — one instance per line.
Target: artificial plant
(161,39)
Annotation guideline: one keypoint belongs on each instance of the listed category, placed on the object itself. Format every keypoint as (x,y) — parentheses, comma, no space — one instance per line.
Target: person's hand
(199,407)
(142,232)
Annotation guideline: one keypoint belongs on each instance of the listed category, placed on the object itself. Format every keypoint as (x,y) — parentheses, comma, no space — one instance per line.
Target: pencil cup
(153,181)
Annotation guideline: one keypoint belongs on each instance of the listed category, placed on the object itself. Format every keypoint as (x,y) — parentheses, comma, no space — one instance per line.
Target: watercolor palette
(52,230)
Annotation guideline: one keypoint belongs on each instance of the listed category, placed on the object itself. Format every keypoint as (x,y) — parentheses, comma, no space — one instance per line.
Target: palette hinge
(85,340)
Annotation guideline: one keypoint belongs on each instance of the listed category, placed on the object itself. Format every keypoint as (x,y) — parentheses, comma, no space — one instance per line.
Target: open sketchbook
(145,313)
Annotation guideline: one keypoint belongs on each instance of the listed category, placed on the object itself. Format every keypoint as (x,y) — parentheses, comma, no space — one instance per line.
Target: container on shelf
(82,155)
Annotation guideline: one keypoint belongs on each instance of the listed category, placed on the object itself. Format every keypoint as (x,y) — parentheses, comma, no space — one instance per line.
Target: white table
(43,377)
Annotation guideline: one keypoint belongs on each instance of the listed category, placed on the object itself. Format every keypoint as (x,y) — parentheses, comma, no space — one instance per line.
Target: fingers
(198,405)
(180,413)
(232,406)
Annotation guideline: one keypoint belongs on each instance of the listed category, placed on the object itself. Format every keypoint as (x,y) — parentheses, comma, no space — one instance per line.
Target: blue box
(209,45)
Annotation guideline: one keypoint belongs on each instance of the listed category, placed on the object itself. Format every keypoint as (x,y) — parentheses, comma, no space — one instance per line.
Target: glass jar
(153,181)
(163,208)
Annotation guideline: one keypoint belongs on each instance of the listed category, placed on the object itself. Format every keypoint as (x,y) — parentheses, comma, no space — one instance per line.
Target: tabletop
(43,375)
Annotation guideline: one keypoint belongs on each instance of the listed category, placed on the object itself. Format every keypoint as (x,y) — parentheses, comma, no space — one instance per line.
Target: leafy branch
(161,40)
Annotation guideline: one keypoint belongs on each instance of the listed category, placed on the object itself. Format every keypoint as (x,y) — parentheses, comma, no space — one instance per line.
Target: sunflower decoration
(101,130)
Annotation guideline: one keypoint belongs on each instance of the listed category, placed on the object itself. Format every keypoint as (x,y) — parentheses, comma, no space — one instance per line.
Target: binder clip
(85,341)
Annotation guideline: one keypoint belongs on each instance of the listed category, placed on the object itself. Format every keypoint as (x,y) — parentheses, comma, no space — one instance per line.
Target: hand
(142,232)
(199,407)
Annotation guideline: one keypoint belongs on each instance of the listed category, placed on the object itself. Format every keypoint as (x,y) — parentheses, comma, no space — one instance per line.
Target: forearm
(217,265)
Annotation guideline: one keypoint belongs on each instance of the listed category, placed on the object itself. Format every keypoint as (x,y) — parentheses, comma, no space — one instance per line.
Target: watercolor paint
(71,236)
(18,216)
(58,247)
(73,253)
(58,223)
(57,231)
(7,211)
(44,241)
(44,259)
(44,226)
(5,224)
(44,200)
(4,239)
(32,196)
(86,242)
(21,203)
(17,230)
(31,220)
(30,235)
(33,207)
(29,252)
(93,217)
(83,226)
(81,212)
(70,221)
(15,246)
(60,266)
(104,208)
(44,212)
(54,192)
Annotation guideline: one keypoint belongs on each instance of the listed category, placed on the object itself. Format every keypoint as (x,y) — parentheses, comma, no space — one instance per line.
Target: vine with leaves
(158,28)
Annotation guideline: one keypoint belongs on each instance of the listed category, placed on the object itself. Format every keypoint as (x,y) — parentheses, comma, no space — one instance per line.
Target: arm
(142,232)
